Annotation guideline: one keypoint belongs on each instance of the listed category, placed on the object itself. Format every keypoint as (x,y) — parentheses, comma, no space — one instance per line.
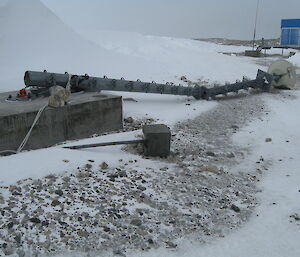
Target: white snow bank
(40,163)
(166,109)
(295,59)
(32,37)
(194,59)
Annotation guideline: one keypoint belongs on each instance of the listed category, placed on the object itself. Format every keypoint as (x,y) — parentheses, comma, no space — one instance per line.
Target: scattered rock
(16,193)
(55,203)
(122,173)
(9,251)
(18,239)
(45,223)
(230,155)
(171,244)
(83,233)
(164,169)
(104,166)
(10,225)
(106,229)
(210,168)
(59,192)
(129,120)
(88,166)
(35,220)
(295,216)
(141,188)
(136,222)
(235,208)
(211,154)
(150,241)
(21,253)
(119,252)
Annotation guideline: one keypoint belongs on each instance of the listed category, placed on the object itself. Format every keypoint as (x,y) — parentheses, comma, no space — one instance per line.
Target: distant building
(290,32)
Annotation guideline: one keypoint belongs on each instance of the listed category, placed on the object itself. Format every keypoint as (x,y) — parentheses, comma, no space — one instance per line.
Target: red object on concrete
(23,93)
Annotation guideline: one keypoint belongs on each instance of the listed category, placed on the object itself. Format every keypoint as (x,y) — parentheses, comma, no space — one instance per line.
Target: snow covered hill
(33,37)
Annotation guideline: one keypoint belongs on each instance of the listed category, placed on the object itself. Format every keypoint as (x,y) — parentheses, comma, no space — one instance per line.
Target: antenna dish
(287,74)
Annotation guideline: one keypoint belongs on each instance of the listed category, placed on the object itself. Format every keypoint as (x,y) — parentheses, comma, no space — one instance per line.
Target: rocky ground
(141,204)
(224,41)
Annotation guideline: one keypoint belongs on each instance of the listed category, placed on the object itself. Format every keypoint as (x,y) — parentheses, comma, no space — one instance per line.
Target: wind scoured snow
(197,60)
(32,37)
(295,59)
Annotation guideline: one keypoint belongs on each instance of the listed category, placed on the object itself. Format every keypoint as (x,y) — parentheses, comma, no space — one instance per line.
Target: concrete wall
(85,116)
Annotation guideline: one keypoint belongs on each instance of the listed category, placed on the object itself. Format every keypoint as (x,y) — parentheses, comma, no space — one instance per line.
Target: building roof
(290,23)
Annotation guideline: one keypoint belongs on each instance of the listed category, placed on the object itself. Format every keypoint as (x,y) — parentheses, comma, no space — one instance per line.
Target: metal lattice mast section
(45,80)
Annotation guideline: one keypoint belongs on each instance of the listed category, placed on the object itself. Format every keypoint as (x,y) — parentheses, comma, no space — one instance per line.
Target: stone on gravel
(164,169)
(18,239)
(211,154)
(171,244)
(129,120)
(136,222)
(235,208)
(106,229)
(230,155)
(104,166)
(59,192)
(210,168)
(183,78)
(119,252)
(21,253)
(295,216)
(35,220)
(88,166)
(83,233)
(55,203)
(10,225)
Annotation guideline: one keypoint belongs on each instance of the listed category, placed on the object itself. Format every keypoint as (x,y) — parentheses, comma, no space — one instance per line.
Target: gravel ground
(97,208)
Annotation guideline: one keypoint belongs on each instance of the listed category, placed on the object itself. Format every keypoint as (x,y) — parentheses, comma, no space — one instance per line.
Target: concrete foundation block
(158,140)
(84,115)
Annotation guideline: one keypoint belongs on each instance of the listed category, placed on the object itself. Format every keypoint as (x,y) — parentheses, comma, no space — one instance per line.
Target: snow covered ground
(252,138)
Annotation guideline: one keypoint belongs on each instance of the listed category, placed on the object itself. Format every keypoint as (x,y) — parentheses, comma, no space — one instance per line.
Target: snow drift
(33,37)
(295,59)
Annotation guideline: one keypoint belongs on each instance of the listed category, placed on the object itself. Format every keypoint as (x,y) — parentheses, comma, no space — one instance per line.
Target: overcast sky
(180,18)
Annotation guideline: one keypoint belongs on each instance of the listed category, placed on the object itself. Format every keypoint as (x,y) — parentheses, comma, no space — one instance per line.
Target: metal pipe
(95,84)
(106,144)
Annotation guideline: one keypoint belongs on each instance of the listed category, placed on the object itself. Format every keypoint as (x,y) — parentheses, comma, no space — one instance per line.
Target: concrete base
(84,115)
(158,140)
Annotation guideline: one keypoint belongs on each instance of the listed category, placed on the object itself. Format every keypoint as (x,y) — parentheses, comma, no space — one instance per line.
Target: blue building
(290,32)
